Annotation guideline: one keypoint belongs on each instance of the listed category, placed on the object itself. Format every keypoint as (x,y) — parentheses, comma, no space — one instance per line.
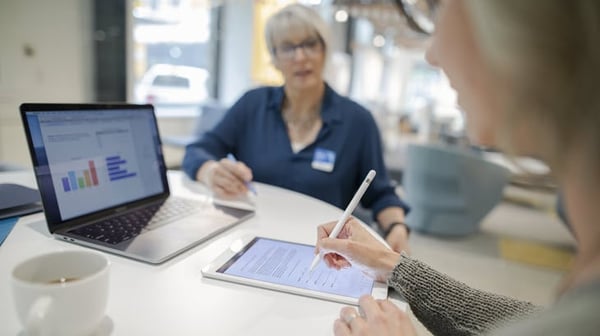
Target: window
(174,54)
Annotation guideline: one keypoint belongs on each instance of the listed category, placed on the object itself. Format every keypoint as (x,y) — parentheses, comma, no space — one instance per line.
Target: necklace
(302,123)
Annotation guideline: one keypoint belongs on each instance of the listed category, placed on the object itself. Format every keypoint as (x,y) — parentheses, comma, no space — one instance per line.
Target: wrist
(390,261)
(397,225)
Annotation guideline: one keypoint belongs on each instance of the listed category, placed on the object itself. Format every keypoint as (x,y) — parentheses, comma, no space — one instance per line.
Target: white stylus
(349,210)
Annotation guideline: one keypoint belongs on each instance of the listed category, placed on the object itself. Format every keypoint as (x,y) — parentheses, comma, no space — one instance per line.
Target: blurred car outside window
(173,84)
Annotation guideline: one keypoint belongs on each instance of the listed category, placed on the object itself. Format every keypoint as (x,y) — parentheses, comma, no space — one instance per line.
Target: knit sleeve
(448,307)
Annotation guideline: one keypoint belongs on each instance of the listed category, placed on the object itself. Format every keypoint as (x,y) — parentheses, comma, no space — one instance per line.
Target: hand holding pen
(247,182)
(349,210)
(227,177)
(355,246)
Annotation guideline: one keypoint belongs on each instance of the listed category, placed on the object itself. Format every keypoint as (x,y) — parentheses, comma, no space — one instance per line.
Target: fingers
(334,251)
(340,328)
(386,305)
(369,306)
(336,261)
(338,251)
(237,169)
(350,322)
(348,313)
(353,319)
(228,178)
(398,319)
(381,317)
(224,184)
(324,230)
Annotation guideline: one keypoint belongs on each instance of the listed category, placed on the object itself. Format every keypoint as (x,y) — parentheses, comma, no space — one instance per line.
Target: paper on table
(246,202)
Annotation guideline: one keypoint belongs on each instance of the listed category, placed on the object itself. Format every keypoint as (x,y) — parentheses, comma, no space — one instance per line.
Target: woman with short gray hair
(301,136)
(296,17)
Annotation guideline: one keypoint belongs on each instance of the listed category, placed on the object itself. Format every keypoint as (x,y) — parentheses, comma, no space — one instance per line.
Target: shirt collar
(330,111)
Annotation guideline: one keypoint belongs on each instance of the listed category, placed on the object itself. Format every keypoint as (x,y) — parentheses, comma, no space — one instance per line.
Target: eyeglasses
(311,48)
(420,14)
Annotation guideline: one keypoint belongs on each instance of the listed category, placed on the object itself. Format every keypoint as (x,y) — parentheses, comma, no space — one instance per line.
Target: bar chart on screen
(117,168)
(83,179)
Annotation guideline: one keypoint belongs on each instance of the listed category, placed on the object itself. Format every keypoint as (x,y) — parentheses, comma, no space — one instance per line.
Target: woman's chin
(482,139)
(305,83)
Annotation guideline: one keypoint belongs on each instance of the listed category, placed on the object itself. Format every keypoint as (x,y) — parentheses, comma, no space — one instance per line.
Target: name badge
(323,160)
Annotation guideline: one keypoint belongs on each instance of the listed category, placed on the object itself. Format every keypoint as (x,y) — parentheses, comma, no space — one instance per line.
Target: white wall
(60,68)
(58,33)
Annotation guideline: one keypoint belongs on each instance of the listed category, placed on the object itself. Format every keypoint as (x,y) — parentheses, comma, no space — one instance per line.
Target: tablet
(284,266)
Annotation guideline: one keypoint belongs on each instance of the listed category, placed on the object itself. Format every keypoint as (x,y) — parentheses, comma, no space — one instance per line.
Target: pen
(249,185)
(349,210)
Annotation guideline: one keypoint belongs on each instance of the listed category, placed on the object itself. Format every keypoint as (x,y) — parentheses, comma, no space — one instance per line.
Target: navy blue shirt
(254,131)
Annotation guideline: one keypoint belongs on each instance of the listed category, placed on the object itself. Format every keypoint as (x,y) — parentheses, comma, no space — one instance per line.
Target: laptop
(103,182)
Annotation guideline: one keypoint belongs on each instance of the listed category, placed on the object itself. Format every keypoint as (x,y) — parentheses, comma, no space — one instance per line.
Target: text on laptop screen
(97,159)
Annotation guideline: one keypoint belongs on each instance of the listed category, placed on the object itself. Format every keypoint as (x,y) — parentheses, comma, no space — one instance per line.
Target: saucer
(105,328)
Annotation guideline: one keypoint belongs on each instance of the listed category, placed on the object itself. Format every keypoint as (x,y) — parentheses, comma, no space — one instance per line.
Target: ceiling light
(341,16)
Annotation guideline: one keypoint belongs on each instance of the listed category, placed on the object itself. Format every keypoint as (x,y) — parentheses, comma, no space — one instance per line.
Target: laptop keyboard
(127,226)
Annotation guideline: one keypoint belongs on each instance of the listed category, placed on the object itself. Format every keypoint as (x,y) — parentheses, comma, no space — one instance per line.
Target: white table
(174,298)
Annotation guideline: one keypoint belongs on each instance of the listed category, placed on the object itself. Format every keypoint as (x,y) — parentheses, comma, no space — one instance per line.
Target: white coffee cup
(61,293)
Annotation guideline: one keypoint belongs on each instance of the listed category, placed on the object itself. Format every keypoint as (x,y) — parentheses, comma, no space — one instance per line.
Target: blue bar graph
(116,170)
(65,183)
(73,180)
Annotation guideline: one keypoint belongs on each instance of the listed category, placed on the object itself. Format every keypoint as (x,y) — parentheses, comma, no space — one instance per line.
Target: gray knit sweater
(448,307)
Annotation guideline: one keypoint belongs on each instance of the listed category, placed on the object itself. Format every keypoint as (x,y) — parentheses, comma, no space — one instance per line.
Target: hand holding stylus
(349,210)
(248,184)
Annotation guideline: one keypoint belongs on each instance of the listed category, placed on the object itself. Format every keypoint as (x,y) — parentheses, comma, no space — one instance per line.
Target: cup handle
(36,317)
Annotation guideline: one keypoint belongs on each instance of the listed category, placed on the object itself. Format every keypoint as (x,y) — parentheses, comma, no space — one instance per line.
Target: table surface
(174,299)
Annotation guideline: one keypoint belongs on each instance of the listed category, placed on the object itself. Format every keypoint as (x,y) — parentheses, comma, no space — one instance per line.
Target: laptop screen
(91,159)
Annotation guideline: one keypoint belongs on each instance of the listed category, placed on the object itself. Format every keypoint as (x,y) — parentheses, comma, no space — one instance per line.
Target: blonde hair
(292,18)
(545,56)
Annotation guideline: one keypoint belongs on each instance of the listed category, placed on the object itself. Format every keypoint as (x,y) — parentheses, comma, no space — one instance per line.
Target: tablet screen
(286,263)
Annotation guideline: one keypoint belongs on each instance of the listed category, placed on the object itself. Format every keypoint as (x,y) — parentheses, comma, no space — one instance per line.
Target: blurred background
(193,58)
(182,55)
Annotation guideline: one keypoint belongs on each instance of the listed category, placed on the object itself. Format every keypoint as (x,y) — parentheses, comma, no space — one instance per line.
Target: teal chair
(450,189)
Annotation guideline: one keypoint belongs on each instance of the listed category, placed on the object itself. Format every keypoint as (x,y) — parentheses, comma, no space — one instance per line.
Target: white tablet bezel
(379,290)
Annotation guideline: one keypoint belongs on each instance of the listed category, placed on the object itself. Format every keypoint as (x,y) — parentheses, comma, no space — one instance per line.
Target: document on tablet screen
(287,263)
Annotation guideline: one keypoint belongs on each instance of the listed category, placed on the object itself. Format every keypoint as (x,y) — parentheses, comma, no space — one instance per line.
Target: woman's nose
(299,53)
(430,54)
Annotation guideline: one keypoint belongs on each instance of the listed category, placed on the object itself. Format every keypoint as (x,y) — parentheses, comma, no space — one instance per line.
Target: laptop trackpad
(176,236)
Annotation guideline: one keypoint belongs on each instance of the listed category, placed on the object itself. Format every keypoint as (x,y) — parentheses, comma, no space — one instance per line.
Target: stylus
(349,210)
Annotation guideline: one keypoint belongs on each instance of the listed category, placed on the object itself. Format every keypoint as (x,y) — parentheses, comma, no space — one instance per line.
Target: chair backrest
(450,189)
(210,115)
